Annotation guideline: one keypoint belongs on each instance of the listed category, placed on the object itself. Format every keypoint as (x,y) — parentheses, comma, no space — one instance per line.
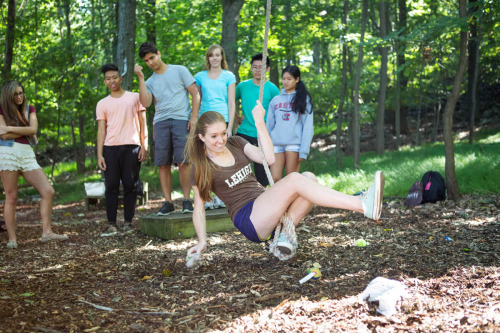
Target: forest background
(388,64)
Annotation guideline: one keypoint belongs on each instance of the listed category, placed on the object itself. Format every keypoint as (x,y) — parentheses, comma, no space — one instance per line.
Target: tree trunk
(326,64)
(342,87)
(317,57)
(380,140)
(79,146)
(125,48)
(9,40)
(355,116)
(229,39)
(451,178)
(401,61)
(473,69)
(420,92)
(397,77)
(150,17)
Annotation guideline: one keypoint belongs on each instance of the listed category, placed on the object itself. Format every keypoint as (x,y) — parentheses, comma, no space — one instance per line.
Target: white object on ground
(307,277)
(386,292)
(194,261)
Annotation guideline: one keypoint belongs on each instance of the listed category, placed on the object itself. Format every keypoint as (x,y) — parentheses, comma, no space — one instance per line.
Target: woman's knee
(310,175)
(11,197)
(48,192)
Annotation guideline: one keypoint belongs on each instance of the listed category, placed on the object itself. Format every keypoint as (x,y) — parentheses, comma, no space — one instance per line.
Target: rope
(286,227)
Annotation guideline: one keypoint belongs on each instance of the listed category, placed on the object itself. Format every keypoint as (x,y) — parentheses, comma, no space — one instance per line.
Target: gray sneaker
(166,209)
(372,199)
(110,231)
(12,245)
(127,227)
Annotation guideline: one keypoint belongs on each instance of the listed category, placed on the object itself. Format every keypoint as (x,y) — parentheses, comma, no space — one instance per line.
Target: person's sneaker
(209,205)
(52,237)
(187,206)
(372,199)
(166,209)
(110,231)
(218,202)
(12,245)
(127,227)
(284,244)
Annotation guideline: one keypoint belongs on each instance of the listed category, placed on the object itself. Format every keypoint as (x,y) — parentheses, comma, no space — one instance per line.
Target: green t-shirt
(248,92)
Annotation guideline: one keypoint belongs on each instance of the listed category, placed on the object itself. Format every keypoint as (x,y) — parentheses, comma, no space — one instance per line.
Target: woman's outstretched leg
(270,206)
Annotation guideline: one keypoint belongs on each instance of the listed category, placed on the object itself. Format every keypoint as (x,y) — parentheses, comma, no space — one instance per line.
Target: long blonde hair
(210,51)
(14,115)
(195,149)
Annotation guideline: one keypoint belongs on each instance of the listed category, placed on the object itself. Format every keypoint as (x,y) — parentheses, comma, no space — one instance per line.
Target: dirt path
(135,283)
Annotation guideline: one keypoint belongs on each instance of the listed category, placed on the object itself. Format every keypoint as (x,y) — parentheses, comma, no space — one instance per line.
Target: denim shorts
(243,223)
(170,136)
(283,148)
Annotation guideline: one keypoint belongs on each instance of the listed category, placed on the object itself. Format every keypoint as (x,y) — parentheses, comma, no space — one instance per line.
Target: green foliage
(62,77)
(477,167)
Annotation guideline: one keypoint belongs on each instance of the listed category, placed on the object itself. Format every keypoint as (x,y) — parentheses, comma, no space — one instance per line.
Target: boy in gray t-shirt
(169,87)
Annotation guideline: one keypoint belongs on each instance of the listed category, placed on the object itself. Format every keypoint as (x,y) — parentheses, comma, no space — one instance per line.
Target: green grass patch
(477,168)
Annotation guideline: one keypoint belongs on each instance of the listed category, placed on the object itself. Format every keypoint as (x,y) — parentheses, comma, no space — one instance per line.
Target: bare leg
(185,179)
(278,166)
(270,205)
(39,181)
(9,181)
(292,162)
(165,174)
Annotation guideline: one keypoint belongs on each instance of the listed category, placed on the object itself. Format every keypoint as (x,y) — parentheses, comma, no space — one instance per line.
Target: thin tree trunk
(380,140)
(342,87)
(150,17)
(9,40)
(473,69)
(125,48)
(356,132)
(317,56)
(229,39)
(451,178)
(55,149)
(437,117)
(401,61)
(420,92)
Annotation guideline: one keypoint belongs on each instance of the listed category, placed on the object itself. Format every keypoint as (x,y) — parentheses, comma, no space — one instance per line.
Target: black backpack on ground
(434,187)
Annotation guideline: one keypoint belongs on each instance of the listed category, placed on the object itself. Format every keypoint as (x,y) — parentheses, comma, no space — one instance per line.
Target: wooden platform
(178,225)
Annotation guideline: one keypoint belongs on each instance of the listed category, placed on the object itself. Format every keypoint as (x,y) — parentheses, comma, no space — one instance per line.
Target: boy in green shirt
(248,92)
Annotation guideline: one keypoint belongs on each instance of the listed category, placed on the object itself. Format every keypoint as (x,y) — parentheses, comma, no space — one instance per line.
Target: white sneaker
(209,204)
(372,199)
(284,244)
(218,202)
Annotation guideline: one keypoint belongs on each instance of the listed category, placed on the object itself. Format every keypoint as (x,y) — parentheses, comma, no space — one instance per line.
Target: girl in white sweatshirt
(290,124)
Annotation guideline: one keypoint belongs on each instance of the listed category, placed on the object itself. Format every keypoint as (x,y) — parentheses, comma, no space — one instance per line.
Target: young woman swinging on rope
(222,165)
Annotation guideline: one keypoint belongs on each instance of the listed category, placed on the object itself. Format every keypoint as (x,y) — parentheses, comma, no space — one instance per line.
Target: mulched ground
(447,256)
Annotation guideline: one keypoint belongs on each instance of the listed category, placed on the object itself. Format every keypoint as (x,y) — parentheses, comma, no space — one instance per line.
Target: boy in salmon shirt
(122,144)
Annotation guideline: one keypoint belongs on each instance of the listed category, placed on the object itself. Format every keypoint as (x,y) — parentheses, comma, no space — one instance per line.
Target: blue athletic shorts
(243,223)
